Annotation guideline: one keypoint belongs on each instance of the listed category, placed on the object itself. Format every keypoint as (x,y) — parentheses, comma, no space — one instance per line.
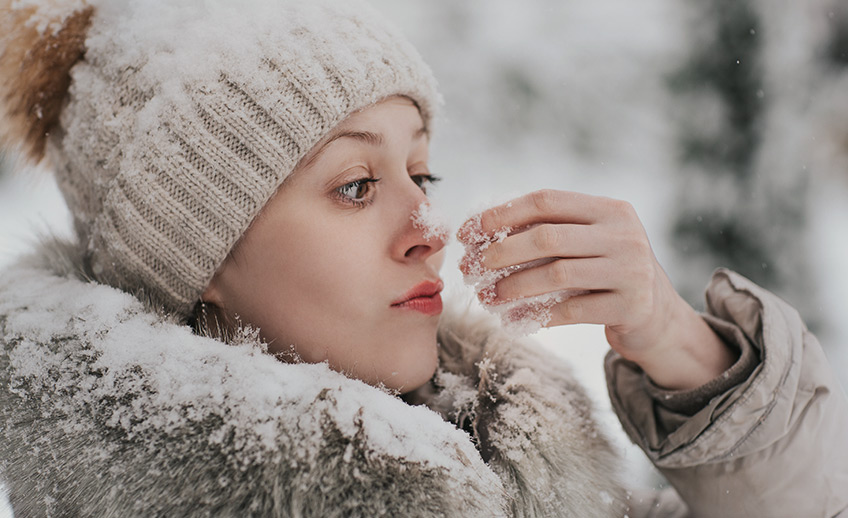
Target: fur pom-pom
(40,43)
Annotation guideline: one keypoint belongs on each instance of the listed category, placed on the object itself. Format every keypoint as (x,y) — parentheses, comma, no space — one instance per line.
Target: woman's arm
(775,444)
(773,441)
(600,246)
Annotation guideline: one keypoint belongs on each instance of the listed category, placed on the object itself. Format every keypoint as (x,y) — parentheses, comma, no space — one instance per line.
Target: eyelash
(356,184)
(421,180)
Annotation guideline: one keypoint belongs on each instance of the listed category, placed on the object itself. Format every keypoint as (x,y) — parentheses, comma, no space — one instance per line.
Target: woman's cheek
(437,260)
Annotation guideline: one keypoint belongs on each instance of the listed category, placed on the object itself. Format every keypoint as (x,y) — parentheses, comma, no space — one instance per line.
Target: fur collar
(111,409)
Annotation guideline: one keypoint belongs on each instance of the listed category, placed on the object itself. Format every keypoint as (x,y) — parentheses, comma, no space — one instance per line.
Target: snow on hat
(170,124)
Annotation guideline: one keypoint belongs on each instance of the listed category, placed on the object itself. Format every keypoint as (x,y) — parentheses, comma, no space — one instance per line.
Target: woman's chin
(413,374)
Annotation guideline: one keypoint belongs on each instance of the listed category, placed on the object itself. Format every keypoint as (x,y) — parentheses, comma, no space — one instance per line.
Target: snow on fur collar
(108,408)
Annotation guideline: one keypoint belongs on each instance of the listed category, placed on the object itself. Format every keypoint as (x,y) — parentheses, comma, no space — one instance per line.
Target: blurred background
(724,122)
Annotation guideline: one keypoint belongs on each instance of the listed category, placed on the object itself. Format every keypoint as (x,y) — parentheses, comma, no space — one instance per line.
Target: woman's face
(333,269)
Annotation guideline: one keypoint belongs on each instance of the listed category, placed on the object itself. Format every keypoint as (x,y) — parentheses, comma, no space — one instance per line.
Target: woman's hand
(601,247)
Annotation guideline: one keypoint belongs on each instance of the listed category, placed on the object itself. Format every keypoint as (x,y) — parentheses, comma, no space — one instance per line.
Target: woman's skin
(324,268)
(320,272)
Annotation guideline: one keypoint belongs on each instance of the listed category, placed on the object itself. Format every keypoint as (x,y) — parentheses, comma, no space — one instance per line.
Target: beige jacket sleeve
(774,445)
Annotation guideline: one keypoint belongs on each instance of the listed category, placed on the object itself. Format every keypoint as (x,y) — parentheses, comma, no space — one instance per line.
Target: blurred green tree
(734,208)
(837,48)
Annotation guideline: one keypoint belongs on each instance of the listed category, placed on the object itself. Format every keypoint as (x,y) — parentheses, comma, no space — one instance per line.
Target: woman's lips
(423,297)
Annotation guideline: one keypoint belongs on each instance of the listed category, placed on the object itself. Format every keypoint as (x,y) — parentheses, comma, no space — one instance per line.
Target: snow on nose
(431,223)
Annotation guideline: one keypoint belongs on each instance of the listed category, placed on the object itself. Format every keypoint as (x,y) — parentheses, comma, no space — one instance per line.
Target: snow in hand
(519,317)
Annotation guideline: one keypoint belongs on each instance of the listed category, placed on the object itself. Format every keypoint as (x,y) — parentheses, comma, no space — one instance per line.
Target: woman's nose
(423,233)
(423,251)
(427,235)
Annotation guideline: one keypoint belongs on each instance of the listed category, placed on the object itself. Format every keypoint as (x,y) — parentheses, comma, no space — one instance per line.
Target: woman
(259,172)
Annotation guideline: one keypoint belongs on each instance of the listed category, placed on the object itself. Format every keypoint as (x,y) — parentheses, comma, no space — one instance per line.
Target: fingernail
(488,295)
(463,233)
(466,264)
(471,231)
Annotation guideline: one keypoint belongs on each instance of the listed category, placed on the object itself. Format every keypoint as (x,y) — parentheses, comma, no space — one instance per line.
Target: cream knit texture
(185,117)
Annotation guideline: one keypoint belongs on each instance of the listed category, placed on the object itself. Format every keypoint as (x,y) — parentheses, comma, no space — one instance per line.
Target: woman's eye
(357,190)
(424,180)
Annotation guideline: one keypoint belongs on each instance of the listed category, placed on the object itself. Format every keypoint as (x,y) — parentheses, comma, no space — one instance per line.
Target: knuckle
(634,241)
(641,249)
(622,209)
(570,310)
(544,201)
(545,238)
(559,273)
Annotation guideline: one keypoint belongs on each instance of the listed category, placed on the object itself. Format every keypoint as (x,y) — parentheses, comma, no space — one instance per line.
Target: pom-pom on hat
(170,124)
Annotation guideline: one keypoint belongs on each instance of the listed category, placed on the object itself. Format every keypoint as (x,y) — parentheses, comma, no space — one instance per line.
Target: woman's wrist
(688,354)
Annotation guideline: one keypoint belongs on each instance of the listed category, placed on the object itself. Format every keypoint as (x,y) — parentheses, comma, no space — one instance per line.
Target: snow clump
(431,223)
(519,317)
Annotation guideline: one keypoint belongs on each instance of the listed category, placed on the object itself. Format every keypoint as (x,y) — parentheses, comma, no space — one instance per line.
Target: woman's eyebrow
(368,137)
(374,139)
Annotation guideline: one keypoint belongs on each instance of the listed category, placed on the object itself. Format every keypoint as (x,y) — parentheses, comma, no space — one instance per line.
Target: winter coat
(112,409)
(774,445)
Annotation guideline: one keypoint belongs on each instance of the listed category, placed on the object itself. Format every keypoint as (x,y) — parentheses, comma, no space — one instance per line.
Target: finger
(545,206)
(603,307)
(595,273)
(469,262)
(566,241)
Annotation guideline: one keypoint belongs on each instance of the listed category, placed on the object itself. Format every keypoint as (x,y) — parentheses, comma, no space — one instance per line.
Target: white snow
(48,15)
(30,206)
(433,224)
(243,387)
(519,317)
(5,509)
(609,134)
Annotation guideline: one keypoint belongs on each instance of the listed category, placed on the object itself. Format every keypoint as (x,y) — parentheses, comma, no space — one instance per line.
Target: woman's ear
(210,319)
(212,293)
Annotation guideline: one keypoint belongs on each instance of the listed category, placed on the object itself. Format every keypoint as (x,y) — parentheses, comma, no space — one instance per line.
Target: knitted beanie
(183,118)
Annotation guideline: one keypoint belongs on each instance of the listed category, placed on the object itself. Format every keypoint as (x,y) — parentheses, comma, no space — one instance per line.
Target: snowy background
(724,122)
